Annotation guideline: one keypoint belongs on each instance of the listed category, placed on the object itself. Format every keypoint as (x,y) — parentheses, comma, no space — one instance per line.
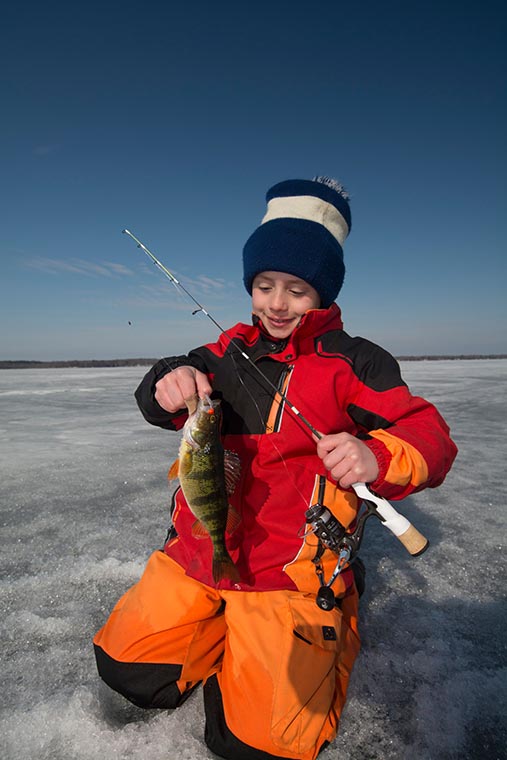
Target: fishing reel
(326,527)
(333,535)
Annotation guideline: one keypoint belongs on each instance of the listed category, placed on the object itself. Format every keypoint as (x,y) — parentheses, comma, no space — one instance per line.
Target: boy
(275,666)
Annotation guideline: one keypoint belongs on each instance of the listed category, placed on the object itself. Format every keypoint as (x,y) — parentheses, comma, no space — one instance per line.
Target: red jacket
(338,383)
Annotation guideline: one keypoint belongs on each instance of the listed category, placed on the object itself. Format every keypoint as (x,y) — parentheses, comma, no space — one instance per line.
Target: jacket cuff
(383,457)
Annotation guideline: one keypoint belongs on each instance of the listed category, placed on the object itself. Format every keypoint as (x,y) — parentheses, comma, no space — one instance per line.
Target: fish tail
(224,568)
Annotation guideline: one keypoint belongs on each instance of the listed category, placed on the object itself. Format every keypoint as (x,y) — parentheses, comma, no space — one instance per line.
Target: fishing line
(413,541)
(277,392)
(257,408)
(167,273)
(200,308)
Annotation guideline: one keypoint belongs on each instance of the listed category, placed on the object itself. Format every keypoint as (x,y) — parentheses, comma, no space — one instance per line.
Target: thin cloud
(155,302)
(164,294)
(78,266)
(200,284)
(119,268)
(204,284)
(44,150)
(208,282)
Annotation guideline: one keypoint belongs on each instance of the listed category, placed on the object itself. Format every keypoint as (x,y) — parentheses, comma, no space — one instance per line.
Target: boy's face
(280,300)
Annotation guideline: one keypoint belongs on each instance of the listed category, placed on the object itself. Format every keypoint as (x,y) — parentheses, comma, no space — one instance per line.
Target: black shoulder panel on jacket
(246,394)
(366,419)
(372,365)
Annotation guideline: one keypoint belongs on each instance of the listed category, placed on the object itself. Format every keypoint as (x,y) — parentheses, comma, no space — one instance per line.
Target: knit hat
(302,233)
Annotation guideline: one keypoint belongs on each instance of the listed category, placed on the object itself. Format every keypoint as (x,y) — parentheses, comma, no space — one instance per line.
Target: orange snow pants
(275,666)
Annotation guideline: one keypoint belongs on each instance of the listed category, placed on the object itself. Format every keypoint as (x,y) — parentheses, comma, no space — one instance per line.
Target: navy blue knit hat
(302,233)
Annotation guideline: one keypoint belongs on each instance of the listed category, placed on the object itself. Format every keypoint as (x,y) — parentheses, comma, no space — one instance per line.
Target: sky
(174,120)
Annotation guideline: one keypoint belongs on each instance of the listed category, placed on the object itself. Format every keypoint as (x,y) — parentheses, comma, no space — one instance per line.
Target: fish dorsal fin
(174,470)
(233,520)
(232,470)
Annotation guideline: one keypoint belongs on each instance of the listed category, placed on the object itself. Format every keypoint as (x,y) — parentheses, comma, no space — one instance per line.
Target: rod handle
(413,541)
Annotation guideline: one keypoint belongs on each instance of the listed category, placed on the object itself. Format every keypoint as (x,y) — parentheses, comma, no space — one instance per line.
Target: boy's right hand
(179,386)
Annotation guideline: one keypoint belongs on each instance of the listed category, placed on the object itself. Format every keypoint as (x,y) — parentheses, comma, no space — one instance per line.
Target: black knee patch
(144,684)
(217,735)
(359,572)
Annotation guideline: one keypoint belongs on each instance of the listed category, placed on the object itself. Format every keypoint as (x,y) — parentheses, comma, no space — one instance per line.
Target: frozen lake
(85,500)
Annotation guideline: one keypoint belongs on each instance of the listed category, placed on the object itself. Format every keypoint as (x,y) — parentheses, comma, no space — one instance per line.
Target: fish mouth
(205,406)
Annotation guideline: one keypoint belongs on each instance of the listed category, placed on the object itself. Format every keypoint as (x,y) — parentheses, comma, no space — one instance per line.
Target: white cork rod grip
(413,541)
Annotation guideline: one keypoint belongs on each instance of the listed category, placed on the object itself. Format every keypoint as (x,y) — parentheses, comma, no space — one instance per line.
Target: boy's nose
(278,301)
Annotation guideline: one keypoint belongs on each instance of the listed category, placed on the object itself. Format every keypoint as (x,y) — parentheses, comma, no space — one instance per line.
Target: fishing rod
(413,541)
(200,307)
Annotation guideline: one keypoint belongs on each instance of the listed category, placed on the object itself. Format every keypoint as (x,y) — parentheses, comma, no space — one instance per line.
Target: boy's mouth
(278,322)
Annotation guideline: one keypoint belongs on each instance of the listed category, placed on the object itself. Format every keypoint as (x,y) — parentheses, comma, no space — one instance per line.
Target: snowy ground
(85,500)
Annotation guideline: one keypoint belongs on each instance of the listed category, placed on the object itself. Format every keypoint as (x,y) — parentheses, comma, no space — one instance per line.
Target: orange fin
(232,470)
(225,568)
(233,520)
(199,531)
(174,470)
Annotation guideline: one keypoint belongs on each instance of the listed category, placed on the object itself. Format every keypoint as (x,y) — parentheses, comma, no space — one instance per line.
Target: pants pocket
(305,693)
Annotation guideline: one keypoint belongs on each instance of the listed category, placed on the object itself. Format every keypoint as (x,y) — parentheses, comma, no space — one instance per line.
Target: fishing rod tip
(126,231)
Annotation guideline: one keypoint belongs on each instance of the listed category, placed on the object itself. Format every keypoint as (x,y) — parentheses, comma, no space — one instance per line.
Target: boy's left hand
(347,459)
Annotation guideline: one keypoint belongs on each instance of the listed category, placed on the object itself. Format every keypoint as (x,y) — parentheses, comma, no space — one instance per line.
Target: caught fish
(208,475)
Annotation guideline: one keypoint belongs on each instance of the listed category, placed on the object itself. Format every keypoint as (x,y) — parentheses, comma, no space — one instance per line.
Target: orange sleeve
(406,465)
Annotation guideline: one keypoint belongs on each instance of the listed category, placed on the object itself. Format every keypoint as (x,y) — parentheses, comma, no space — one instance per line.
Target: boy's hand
(347,459)
(178,387)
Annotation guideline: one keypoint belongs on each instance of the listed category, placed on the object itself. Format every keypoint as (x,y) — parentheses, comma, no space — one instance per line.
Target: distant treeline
(18,364)
(456,357)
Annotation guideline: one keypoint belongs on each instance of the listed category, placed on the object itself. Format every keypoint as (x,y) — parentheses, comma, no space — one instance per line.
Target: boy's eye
(297,292)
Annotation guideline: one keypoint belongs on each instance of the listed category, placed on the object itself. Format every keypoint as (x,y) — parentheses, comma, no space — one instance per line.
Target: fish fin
(233,520)
(232,470)
(174,470)
(225,569)
(199,531)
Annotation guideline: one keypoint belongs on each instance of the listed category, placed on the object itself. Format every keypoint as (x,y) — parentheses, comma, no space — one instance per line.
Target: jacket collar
(313,323)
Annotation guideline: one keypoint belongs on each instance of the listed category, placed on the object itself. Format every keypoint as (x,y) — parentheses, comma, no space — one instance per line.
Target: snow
(85,500)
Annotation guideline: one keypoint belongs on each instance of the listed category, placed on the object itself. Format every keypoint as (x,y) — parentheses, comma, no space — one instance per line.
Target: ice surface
(85,500)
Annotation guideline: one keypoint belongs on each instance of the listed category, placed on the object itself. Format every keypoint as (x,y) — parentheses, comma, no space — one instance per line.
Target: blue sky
(173,122)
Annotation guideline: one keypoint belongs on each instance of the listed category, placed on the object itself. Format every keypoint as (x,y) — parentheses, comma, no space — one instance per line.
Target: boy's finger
(329,443)
(202,384)
(185,381)
(317,436)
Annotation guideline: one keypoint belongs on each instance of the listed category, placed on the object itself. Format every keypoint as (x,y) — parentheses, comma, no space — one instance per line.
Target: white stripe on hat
(310,208)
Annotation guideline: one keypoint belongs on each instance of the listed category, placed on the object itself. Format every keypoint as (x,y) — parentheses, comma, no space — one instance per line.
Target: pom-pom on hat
(302,233)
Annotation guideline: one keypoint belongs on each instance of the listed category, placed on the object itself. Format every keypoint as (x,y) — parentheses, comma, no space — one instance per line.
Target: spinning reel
(332,535)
